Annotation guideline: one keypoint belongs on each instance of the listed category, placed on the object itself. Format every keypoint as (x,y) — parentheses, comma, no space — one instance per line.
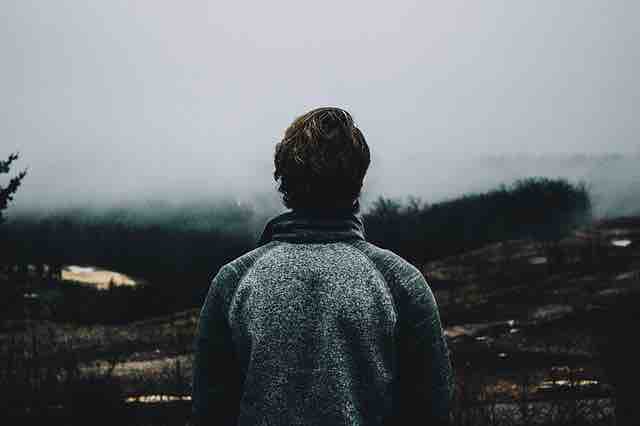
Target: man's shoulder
(395,269)
(239,266)
(225,279)
(413,297)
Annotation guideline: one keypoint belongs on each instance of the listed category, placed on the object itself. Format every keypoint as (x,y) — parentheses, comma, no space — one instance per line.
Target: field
(525,330)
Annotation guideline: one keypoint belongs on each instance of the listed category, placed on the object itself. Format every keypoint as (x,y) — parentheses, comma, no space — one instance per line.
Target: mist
(115,102)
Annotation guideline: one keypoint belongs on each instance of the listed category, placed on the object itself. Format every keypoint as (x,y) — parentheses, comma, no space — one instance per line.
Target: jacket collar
(313,226)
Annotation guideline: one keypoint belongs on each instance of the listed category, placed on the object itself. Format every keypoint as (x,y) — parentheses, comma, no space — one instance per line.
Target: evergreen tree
(6,193)
(10,295)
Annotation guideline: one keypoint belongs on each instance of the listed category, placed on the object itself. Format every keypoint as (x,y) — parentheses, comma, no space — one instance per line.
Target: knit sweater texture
(317,326)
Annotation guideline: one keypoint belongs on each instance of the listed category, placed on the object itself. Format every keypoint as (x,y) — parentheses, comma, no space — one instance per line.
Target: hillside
(545,319)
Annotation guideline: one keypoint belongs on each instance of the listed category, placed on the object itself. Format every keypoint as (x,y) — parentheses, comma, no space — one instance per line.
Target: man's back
(318,326)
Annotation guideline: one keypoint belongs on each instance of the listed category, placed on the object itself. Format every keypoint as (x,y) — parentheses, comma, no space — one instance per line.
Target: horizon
(612,186)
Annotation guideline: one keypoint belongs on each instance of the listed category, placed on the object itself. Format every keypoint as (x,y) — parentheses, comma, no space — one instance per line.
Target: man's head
(321,161)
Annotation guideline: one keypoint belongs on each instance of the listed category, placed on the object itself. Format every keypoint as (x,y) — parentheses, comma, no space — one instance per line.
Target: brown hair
(321,161)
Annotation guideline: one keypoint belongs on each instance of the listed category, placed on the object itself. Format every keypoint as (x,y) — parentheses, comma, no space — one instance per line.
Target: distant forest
(535,208)
(176,251)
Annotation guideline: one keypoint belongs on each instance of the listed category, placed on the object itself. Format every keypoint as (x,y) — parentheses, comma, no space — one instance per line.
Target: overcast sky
(114,100)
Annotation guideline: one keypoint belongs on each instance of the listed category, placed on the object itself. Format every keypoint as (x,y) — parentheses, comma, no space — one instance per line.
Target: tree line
(176,251)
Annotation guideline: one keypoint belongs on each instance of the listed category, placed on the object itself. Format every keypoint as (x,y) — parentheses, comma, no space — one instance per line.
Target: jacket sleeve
(216,372)
(426,384)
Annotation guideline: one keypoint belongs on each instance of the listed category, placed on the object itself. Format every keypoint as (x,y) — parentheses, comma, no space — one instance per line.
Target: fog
(111,102)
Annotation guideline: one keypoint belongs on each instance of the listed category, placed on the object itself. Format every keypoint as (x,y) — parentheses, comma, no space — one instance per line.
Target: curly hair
(321,161)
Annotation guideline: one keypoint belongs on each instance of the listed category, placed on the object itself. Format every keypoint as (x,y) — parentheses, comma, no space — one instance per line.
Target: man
(317,326)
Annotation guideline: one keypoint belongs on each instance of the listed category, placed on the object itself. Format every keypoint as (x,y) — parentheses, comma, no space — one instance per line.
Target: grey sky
(113,100)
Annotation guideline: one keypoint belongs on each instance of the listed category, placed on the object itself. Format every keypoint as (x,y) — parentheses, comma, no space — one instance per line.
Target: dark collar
(314,227)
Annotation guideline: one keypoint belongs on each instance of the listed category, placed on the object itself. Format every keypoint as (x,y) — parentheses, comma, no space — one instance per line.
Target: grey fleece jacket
(317,326)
